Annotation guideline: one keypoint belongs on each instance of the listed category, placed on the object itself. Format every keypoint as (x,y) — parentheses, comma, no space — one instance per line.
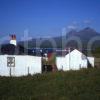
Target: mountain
(85,35)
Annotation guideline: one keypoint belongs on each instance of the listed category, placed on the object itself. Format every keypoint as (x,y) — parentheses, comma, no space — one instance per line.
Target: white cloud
(87,21)
(72,27)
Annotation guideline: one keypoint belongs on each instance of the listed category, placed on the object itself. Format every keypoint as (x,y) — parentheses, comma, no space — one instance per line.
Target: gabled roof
(75,51)
(60,53)
(72,52)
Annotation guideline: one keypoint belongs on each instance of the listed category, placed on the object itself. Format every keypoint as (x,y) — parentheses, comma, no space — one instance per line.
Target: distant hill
(85,35)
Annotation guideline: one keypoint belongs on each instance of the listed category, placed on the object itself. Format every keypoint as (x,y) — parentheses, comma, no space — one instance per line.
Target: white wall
(77,60)
(91,61)
(22,64)
(74,60)
(61,63)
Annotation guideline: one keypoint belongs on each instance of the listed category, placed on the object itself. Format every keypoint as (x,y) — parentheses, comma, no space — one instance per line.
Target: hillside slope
(71,85)
(85,35)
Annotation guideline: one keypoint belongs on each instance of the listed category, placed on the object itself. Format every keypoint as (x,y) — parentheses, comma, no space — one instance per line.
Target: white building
(74,61)
(19,65)
(14,61)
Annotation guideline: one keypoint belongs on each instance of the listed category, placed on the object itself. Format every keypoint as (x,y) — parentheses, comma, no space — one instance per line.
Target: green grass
(71,85)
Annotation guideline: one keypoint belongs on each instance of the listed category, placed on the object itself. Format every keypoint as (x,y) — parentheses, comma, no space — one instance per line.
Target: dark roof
(11,49)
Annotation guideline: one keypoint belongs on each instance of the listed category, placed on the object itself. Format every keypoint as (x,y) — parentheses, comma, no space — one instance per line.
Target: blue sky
(43,18)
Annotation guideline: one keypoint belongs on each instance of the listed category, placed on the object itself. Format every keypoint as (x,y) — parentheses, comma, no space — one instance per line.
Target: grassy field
(71,85)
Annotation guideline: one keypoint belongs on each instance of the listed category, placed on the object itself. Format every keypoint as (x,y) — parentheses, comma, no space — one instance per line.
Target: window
(10,61)
(83,57)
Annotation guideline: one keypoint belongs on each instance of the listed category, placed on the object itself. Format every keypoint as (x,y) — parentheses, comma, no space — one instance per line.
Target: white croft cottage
(74,61)
(15,62)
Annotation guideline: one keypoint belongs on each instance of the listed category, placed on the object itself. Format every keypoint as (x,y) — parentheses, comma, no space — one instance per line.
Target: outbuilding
(74,60)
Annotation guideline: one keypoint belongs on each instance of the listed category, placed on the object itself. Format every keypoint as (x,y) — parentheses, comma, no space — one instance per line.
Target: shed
(74,60)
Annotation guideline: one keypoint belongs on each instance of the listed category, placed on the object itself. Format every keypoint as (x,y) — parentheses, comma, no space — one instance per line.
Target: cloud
(75,22)
(72,27)
(87,21)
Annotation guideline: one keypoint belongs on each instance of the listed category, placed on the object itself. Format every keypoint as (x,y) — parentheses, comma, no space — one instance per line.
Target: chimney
(13,39)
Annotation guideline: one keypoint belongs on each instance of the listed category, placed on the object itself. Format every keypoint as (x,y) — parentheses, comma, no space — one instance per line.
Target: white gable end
(73,61)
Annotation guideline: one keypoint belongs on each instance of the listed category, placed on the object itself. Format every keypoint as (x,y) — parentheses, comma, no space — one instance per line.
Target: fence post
(28,71)
(10,72)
